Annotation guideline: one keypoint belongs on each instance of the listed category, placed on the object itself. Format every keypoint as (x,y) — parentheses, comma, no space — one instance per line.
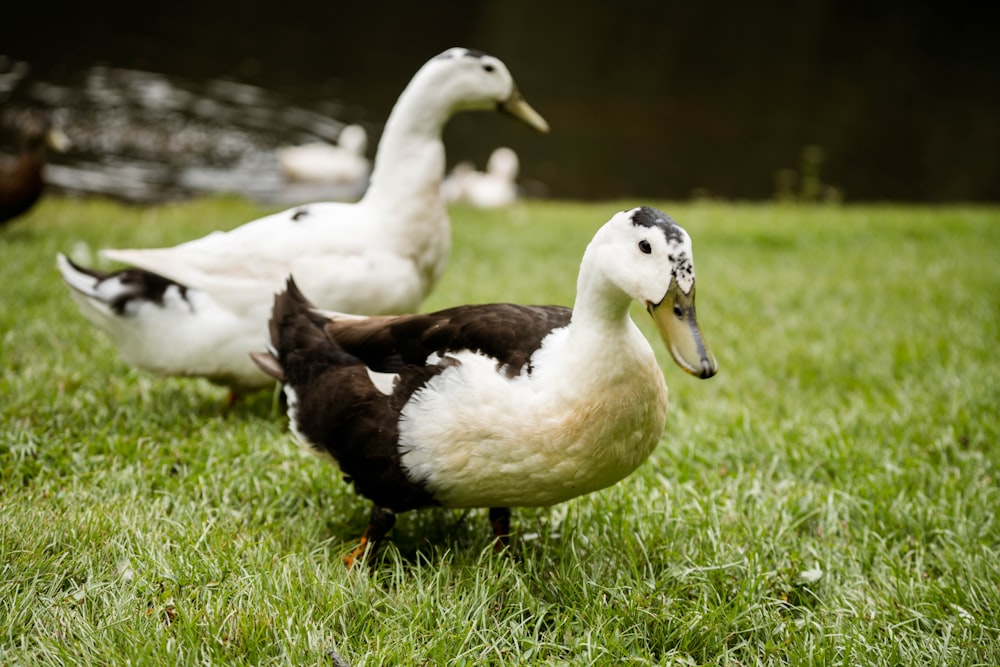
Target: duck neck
(410,160)
(601,310)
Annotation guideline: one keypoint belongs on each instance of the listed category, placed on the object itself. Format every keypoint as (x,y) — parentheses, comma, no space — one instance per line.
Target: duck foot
(381,521)
(500,518)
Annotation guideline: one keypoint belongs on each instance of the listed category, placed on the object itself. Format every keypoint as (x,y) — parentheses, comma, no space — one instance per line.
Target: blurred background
(815,100)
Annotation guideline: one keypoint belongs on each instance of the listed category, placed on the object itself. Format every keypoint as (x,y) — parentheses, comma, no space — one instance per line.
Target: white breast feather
(477,438)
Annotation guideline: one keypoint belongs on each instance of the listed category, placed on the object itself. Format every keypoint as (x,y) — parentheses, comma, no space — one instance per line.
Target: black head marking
(300,213)
(461,53)
(647,216)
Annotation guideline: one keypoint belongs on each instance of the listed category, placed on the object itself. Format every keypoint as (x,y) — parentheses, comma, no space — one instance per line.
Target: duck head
(472,80)
(354,139)
(503,163)
(654,265)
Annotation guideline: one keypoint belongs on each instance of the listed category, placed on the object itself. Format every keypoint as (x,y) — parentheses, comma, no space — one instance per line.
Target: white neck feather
(404,193)
(410,159)
(601,307)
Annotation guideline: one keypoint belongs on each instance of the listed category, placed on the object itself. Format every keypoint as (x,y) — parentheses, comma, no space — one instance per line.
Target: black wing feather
(507,332)
(341,412)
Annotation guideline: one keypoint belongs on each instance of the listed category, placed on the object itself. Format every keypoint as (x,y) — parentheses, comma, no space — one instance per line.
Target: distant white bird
(199,308)
(494,188)
(344,163)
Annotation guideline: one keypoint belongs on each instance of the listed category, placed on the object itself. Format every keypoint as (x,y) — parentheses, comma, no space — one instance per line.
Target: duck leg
(379,524)
(500,518)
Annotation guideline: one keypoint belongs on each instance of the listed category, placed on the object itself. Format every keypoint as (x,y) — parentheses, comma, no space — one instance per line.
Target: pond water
(893,101)
(144,137)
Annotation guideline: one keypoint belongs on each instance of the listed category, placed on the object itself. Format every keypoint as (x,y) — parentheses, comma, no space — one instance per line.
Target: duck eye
(678,313)
(488,68)
(645,247)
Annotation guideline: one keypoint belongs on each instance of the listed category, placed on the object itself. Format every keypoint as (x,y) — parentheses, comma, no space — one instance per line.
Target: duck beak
(518,108)
(675,319)
(57,140)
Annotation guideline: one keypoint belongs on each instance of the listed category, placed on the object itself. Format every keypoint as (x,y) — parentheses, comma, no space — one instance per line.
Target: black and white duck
(198,308)
(497,405)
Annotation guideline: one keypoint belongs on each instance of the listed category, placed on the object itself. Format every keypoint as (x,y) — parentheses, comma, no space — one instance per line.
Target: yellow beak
(675,320)
(518,108)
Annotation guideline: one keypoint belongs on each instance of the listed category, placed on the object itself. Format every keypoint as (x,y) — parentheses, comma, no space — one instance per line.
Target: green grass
(830,497)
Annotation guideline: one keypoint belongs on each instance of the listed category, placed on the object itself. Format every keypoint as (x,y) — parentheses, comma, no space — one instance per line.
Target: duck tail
(299,347)
(81,279)
(109,294)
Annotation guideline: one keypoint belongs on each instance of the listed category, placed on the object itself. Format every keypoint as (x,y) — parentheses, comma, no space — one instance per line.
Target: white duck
(198,308)
(341,164)
(497,405)
(494,188)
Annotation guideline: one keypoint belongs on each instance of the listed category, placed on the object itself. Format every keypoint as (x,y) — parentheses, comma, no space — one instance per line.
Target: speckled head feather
(677,239)
(647,216)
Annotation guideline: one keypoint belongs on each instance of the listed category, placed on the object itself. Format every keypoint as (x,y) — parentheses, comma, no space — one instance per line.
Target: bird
(494,405)
(494,188)
(198,308)
(341,164)
(22,176)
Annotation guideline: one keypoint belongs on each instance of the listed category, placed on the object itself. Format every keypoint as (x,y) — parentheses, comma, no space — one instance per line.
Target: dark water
(899,101)
(144,137)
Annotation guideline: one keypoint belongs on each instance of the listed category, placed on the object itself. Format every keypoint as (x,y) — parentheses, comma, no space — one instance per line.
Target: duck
(198,308)
(494,405)
(494,188)
(22,176)
(318,162)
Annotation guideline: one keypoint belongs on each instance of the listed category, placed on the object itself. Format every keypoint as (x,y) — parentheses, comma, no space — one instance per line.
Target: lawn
(830,497)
